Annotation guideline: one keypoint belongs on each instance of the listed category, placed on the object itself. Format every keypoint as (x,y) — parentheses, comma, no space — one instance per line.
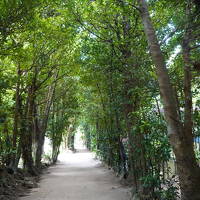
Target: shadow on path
(77,176)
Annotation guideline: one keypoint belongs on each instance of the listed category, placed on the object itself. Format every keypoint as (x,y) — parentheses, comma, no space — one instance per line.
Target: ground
(77,176)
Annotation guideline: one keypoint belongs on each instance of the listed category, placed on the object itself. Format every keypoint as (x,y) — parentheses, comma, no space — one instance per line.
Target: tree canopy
(125,72)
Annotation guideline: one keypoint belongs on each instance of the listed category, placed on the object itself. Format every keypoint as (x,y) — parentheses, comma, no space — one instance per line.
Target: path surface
(78,177)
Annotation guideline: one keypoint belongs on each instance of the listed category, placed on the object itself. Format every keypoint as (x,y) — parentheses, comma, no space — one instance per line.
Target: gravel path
(78,177)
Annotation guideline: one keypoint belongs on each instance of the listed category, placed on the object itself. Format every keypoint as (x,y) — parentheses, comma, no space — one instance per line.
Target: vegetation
(126,72)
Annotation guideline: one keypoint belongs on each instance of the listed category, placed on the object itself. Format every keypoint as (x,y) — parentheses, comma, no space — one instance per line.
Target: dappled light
(100,100)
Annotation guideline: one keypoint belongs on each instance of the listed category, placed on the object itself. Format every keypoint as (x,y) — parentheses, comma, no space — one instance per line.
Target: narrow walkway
(78,177)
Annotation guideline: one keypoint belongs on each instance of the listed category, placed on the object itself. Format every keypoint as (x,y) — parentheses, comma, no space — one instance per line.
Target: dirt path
(78,177)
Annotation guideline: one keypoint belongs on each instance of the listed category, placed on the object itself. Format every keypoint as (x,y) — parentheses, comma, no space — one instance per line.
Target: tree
(181,138)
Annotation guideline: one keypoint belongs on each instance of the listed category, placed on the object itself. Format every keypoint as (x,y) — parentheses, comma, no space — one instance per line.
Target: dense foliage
(99,65)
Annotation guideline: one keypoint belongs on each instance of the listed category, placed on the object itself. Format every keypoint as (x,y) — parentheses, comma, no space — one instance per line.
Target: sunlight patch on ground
(80,156)
(82,160)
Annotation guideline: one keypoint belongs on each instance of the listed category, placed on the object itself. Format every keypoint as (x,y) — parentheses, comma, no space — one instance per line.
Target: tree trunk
(131,105)
(187,78)
(188,170)
(27,132)
(44,122)
(14,160)
(41,134)
(18,156)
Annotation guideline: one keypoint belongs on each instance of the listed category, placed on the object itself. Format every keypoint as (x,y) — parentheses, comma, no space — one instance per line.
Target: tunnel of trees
(126,71)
